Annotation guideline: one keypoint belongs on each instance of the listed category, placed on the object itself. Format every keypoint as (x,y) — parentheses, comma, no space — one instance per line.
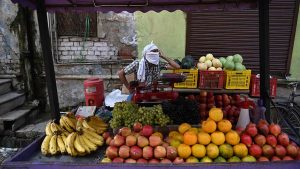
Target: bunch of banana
(82,141)
(68,122)
(95,124)
(54,142)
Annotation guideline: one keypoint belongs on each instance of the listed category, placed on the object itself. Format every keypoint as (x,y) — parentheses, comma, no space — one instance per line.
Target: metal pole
(264,52)
(48,61)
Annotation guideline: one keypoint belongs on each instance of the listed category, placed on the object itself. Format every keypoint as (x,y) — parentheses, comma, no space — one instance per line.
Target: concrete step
(5,86)
(16,118)
(10,101)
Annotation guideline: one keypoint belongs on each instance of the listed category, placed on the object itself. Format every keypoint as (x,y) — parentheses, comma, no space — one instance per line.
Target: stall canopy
(140,5)
(42,6)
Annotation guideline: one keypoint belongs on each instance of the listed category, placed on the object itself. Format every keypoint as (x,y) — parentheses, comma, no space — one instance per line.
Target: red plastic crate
(209,79)
(255,86)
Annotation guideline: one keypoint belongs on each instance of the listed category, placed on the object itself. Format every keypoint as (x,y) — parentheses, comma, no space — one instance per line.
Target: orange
(190,138)
(198,150)
(209,126)
(159,134)
(194,130)
(216,114)
(204,138)
(224,126)
(212,151)
(184,151)
(173,133)
(184,127)
(232,138)
(175,143)
(192,160)
(240,150)
(217,138)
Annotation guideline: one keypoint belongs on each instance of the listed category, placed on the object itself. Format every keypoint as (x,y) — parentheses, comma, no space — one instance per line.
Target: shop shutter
(225,33)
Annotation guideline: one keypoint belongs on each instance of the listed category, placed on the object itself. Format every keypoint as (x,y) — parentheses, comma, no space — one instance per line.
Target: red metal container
(94,92)
(255,86)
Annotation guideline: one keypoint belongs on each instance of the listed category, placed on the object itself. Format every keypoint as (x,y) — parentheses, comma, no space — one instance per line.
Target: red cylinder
(94,92)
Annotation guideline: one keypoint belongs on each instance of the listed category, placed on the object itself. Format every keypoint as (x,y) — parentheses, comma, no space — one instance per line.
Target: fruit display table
(31,158)
(214,91)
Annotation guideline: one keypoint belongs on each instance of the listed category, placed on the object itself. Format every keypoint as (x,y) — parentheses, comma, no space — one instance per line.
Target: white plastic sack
(114,97)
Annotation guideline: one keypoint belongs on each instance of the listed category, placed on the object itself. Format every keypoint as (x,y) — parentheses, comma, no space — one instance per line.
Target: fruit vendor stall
(142,137)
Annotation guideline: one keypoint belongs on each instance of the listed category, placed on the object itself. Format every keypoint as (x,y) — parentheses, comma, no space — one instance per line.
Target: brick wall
(75,49)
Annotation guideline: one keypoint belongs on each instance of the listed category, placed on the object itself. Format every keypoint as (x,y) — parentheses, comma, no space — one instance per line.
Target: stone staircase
(14,112)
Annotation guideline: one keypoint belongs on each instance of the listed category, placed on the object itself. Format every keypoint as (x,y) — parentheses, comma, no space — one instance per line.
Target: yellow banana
(87,126)
(86,148)
(69,122)
(61,144)
(65,125)
(78,146)
(63,137)
(70,144)
(45,145)
(54,128)
(88,143)
(53,145)
(93,139)
(48,130)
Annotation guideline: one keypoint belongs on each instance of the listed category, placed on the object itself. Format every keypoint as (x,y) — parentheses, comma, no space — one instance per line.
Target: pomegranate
(160,152)
(263,122)
(274,129)
(268,151)
(153,161)
(147,131)
(136,152)
(260,140)
(118,160)
(263,127)
(125,131)
(165,160)
(239,130)
(111,152)
(147,152)
(280,151)
(105,135)
(155,141)
(178,160)
(171,152)
(164,144)
(263,158)
(271,140)
(124,151)
(283,139)
(119,140)
(141,160)
(275,158)
(130,160)
(255,150)
(251,129)
(246,139)
(287,158)
(142,141)
(130,140)
(292,150)
(108,140)
(137,127)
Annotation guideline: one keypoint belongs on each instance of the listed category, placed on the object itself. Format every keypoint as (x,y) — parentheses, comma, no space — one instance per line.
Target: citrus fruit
(173,133)
(178,137)
(184,151)
(209,126)
(198,150)
(234,159)
(192,160)
(232,137)
(224,126)
(194,130)
(184,127)
(204,138)
(226,150)
(249,159)
(175,143)
(206,160)
(216,114)
(217,137)
(220,159)
(212,151)
(240,150)
(159,134)
(190,138)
